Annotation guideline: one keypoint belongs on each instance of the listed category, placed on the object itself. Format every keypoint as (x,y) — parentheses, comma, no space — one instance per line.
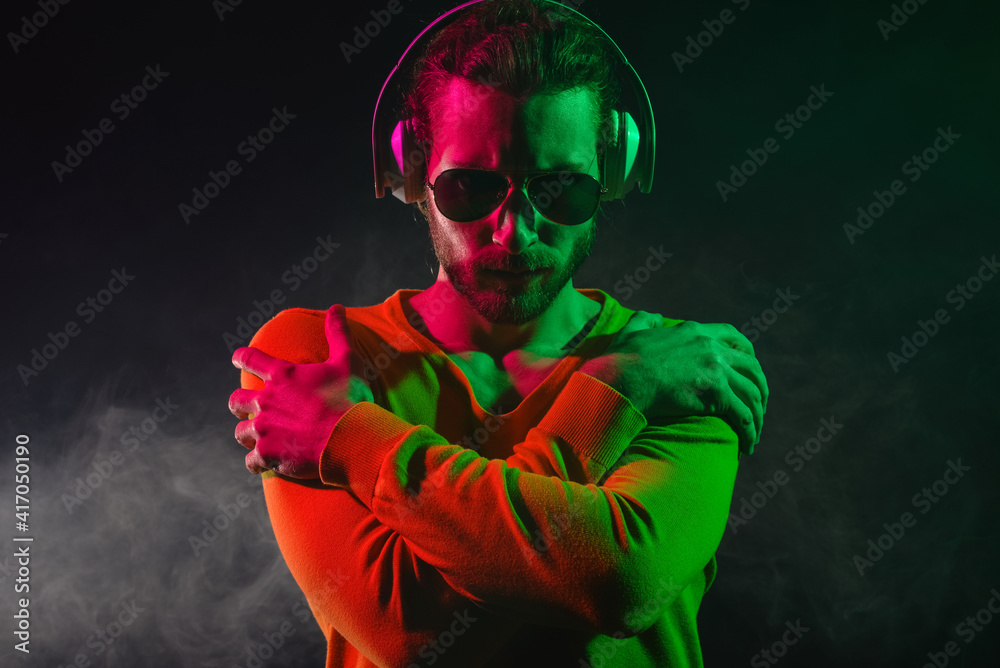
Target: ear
(609,132)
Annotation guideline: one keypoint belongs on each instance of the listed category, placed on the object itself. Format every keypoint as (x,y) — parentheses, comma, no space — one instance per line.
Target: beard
(508,303)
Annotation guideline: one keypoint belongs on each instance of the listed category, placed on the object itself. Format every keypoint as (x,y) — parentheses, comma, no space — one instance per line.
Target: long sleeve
(658,518)
(364,579)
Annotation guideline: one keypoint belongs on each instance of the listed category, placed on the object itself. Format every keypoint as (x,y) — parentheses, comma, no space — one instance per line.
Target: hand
(293,416)
(688,369)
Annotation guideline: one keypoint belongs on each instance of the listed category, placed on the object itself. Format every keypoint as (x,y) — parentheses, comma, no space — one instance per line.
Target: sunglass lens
(568,199)
(468,195)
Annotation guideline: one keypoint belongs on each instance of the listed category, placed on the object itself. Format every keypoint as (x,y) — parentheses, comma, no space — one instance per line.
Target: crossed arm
(529,539)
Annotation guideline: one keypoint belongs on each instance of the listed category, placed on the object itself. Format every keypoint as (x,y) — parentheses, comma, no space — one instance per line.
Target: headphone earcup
(612,170)
(621,170)
(408,182)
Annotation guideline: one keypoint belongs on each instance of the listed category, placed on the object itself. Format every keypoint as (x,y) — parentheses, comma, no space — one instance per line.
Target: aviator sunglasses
(468,195)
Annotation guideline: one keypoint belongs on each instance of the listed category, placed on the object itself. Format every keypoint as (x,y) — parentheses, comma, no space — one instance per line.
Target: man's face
(480,127)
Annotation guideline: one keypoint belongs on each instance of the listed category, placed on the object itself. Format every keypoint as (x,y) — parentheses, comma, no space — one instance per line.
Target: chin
(516,306)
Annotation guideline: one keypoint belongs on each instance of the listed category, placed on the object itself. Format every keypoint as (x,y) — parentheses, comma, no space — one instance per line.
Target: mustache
(510,263)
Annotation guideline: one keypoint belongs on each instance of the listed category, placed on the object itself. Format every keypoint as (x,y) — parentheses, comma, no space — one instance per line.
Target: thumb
(340,341)
(337,332)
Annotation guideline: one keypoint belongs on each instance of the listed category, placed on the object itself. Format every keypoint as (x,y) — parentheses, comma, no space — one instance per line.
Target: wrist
(607,370)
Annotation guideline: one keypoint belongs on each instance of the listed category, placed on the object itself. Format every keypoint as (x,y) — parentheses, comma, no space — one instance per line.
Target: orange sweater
(567,532)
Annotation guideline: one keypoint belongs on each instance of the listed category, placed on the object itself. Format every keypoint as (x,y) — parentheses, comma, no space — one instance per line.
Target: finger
(337,332)
(748,394)
(729,335)
(340,344)
(243,403)
(255,463)
(749,366)
(719,400)
(257,362)
(738,416)
(246,434)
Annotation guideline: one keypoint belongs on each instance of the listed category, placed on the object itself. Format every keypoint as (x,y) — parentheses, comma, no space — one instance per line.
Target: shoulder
(293,335)
(296,335)
(617,315)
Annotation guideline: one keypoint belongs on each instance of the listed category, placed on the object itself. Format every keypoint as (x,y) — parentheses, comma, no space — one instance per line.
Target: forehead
(477,125)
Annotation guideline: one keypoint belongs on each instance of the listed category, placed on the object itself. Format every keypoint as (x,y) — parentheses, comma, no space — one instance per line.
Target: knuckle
(705,341)
(714,366)
(709,383)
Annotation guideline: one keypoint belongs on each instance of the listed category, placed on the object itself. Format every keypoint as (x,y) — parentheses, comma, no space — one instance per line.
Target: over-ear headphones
(399,159)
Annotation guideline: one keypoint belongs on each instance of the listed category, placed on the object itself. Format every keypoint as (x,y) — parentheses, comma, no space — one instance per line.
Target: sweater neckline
(556,377)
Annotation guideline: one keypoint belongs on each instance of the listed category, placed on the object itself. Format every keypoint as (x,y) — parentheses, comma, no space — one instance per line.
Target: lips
(518,275)
(516,270)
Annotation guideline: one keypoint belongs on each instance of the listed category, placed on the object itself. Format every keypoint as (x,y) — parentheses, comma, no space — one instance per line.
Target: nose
(515,222)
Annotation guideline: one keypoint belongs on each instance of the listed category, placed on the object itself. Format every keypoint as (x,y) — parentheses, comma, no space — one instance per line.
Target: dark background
(825,358)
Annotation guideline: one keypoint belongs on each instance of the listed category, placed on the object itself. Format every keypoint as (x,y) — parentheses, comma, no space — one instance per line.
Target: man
(501,468)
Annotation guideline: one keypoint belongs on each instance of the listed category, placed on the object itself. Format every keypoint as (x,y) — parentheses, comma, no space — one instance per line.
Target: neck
(458,328)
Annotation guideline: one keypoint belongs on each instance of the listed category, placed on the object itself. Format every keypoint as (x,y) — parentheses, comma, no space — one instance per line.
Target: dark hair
(524,48)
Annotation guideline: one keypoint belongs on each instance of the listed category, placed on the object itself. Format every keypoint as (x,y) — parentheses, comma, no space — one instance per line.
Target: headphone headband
(398,160)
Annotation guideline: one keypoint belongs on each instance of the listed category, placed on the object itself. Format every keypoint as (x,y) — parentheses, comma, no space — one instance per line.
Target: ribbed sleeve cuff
(354,453)
(594,419)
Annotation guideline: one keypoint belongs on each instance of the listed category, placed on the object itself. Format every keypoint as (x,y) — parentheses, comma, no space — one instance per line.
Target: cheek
(556,236)
(573,240)
(456,240)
